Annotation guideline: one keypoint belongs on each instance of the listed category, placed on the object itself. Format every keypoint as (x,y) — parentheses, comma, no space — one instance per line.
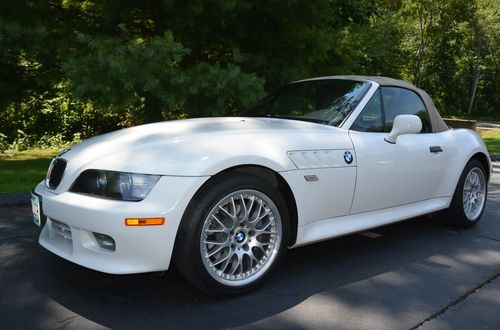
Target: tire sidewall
(458,216)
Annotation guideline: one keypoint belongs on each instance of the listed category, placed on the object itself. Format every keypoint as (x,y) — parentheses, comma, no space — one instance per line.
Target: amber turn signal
(144,221)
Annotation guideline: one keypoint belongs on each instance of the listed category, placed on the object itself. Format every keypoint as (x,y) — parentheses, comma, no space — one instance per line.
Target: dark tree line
(91,66)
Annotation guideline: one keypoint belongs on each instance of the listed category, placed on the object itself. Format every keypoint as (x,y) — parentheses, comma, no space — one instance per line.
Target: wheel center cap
(240,237)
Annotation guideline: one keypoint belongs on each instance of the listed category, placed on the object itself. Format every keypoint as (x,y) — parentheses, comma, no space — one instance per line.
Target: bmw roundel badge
(348,157)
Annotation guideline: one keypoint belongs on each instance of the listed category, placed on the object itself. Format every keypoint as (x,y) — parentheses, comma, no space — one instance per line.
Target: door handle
(435,149)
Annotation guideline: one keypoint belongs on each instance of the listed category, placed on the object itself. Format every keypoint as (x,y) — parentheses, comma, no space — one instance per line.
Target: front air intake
(55,173)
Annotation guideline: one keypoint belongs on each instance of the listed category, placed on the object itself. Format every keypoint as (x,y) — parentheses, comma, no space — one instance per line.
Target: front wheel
(469,200)
(232,236)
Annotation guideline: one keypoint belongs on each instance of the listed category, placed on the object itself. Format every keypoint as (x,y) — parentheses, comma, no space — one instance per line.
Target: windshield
(325,101)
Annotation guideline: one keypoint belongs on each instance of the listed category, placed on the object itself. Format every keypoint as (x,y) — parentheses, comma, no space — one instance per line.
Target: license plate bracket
(36,208)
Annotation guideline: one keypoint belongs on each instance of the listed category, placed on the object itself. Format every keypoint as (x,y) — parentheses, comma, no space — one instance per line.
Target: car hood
(190,147)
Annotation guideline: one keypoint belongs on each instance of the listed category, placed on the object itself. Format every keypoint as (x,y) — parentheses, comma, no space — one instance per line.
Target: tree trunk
(152,108)
(477,73)
(477,69)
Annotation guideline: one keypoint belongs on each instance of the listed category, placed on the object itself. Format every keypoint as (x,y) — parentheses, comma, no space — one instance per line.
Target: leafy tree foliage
(90,66)
(28,64)
(444,42)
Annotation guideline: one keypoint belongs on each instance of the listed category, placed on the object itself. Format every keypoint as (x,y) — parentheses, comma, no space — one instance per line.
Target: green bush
(25,142)
(3,143)
(55,120)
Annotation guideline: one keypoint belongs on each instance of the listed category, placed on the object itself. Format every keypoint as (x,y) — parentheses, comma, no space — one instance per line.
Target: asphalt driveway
(418,273)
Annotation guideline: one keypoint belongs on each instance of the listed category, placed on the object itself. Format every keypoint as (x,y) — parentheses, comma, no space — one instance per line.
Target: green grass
(22,171)
(492,140)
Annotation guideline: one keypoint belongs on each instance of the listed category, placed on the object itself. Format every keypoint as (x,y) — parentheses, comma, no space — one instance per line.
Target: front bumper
(72,218)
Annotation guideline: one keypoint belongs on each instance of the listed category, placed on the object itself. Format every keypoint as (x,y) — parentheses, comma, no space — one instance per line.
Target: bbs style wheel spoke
(474,193)
(240,237)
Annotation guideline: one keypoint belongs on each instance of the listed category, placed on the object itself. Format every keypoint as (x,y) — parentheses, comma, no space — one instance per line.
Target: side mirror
(404,124)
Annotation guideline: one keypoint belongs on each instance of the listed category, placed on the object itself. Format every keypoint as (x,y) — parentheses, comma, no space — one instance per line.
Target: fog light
(105,241)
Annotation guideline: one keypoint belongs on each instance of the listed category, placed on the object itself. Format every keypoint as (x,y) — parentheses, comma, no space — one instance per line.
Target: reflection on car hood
(139,148)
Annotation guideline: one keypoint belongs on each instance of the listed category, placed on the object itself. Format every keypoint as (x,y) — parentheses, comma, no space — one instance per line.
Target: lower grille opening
(61,229)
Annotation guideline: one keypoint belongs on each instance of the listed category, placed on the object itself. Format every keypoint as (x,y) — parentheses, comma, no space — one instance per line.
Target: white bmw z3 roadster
(224,198)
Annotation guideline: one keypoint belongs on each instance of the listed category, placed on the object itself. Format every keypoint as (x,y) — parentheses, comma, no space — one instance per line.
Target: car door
(390,175)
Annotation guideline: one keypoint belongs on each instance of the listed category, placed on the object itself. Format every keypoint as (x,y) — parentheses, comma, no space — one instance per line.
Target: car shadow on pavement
(42,290)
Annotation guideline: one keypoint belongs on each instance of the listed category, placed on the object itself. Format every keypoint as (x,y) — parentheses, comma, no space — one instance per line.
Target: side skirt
(340,226)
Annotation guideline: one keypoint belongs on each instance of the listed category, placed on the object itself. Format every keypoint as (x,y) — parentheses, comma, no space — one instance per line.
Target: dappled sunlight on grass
(20,171)
(492,140)
(29,154)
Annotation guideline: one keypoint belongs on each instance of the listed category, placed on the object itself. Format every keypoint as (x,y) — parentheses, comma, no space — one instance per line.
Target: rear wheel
(469,200)
(232,236)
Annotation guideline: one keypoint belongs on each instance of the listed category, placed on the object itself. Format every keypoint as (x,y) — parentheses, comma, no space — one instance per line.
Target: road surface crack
(66,322)
(457,300)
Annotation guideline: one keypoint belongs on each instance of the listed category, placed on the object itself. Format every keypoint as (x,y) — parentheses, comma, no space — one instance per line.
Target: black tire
(455,214)
(187,252)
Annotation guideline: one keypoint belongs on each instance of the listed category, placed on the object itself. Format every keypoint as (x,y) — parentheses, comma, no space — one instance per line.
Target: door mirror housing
(404,124)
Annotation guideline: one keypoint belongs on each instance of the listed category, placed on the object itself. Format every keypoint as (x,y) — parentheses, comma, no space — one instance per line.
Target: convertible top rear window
(325,101)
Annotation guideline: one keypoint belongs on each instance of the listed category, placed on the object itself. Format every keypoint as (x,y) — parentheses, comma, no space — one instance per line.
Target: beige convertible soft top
(437,123)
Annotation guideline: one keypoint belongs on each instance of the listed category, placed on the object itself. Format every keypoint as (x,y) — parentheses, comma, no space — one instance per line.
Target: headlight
(115,185)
